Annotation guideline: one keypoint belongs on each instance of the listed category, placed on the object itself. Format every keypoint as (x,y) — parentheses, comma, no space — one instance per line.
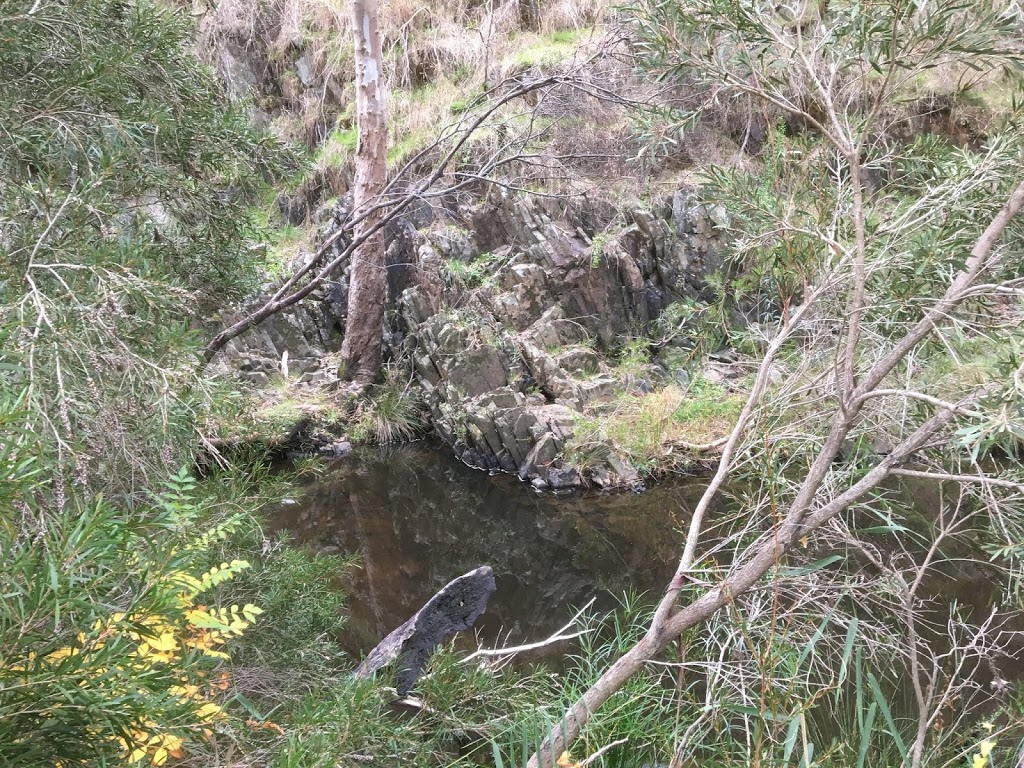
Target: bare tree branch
(802,517)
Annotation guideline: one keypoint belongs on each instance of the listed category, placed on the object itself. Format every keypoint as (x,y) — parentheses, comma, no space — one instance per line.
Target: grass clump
(551,50)
(465,274)
(393,413)
(707,408)
(646,426)
(284,244)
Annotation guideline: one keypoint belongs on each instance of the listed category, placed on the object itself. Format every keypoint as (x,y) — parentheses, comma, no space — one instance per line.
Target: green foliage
(706,401)
(779,214)
(126,191)
(597,247)
(302,600)
(815,665)
(102,645)
(552,49)
(124,153)
(467,275)
(125,183)
(392,413)
(634,356)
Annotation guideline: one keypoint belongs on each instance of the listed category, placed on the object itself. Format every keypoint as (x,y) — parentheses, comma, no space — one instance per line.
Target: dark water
(418,518)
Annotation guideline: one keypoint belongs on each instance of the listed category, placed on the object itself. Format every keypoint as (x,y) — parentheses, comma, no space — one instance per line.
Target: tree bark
(361,349)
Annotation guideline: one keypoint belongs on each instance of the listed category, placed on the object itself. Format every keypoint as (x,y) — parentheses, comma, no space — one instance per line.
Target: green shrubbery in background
(125,183)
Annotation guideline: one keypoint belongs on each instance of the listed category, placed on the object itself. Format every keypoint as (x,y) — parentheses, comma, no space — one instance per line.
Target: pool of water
(418,518)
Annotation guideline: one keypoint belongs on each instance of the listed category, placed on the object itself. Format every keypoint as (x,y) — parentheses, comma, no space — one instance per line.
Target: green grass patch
(646,427)
(550,50)
(707,406)
(402,150)
(338,148)
(283,244)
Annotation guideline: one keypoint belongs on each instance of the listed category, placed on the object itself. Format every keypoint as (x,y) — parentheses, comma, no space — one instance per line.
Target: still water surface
(418,518)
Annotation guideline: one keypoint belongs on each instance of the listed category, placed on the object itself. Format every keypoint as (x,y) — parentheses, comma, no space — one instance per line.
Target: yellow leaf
(172,743)
(159,756)
(209,711)
(986,747)
(980,762)
(564,761)
(165,642)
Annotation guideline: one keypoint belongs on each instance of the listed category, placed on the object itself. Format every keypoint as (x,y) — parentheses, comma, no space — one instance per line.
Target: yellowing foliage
(167,640)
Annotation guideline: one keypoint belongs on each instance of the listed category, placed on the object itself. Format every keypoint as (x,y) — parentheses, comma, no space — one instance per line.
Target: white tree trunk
(361,349)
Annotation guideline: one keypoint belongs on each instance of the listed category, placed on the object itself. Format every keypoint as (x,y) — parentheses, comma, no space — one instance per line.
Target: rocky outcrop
(507,311)
(509,372)
(291,345)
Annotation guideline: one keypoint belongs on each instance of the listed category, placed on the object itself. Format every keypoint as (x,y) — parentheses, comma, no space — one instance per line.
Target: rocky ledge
(506,312)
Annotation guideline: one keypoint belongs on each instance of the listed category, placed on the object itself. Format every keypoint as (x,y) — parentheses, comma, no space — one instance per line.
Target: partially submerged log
(455,608)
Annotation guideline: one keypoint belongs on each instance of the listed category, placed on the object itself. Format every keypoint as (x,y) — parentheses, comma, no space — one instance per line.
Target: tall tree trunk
(361,349)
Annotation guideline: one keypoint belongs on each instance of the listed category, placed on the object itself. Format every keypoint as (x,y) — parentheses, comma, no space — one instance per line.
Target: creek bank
(508,316)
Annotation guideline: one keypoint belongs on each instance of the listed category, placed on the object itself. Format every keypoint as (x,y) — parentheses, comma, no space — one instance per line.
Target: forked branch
(802,517)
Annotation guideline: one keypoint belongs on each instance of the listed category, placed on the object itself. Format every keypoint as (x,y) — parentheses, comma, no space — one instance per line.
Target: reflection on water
(418,518)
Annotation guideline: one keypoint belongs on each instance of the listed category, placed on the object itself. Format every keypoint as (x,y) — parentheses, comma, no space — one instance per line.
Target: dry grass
(438,56)
(648,428)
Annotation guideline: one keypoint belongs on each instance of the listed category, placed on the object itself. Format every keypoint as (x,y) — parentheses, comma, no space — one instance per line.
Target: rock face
(292,344)
(508,372)
(506,309)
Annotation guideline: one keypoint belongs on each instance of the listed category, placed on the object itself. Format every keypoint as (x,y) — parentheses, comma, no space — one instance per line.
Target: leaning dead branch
(559,635)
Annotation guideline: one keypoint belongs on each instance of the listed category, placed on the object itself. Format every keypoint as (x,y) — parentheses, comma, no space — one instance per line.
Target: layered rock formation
(509,359)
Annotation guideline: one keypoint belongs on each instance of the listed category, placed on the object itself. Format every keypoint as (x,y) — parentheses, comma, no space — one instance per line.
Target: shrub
(106,653)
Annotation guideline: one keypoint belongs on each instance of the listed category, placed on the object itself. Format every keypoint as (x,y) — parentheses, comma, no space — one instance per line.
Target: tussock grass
(647,427)
(393,413)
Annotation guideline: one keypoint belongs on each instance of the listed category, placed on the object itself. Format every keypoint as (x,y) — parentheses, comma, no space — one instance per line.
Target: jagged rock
(625,472)
(547,373)
(600,477)
(543,453)
(304,70)
(579,361)
(720,372)
(336,449)
(564,478)
(452,243)
(597,388)
(552,329)
(477,371)
(550,290)
(237,68)
(293,208)
(524,295)
(490,358)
